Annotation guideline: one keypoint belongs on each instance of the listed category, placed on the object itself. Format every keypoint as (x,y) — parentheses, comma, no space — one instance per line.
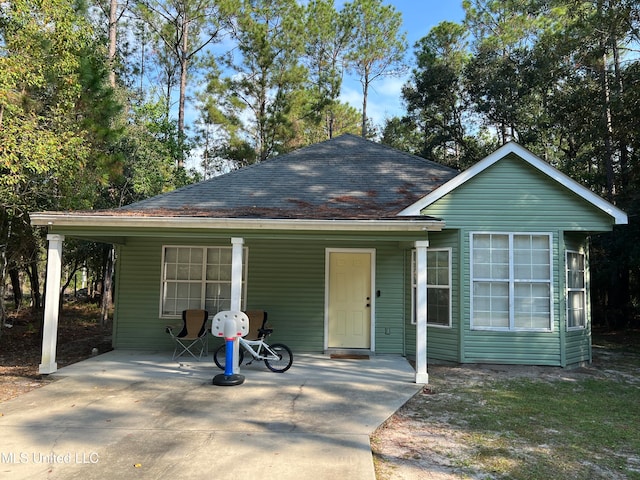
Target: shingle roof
(343,178)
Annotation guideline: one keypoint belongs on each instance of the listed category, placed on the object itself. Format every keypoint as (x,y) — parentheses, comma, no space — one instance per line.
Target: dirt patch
(79,332)
(407,447)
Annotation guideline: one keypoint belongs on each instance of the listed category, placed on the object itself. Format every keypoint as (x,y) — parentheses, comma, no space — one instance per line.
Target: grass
(571,426)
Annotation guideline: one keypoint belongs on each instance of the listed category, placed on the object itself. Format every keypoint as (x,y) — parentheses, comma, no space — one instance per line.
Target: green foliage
(266,77)
(378,45)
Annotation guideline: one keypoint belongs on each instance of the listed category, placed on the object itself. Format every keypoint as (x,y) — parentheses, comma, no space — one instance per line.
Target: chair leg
(187,348)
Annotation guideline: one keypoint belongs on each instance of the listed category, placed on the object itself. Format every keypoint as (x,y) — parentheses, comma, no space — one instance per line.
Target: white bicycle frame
(248,345)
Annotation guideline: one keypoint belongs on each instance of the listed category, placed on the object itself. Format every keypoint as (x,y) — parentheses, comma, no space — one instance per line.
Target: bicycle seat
(264,332)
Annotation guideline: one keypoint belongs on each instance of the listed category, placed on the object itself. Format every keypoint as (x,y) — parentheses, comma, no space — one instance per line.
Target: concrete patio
(138,415)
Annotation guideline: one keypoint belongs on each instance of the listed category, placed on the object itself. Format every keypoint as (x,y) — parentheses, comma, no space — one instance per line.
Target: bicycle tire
(285,361)
(220,356)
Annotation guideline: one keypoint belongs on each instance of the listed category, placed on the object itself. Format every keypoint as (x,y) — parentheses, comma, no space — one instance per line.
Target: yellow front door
(349,322)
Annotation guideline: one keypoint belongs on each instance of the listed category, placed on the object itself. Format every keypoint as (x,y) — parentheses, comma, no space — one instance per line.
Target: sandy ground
(409,448)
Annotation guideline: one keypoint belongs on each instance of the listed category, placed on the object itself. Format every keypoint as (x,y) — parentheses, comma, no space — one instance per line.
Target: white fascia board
(62,219)
(618,215)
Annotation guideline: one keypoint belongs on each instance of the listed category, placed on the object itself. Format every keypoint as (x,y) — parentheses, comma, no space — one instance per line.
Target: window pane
(438,268)
(225,273)
(171,271)
(184,255)
(575,309)
(532,306)
(225,256)
(491,304)
(575,264)
(180,296)
(213,256)
(171,255)
(213,272)
(196,256)
(531,257)
(438,306)
(195,272)
(482,271)
(481,241)
(491,256)
(540,242)
(500,271)
(183,272)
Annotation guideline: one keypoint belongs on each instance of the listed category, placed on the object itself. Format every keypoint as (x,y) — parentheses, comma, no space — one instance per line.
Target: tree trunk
(184,59)
(365,93)
(34,281)
(113,33)
(14,275)
(107,284)
(608,129)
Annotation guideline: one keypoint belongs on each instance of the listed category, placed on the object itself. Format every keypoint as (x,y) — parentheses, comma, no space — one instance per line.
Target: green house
(353,246)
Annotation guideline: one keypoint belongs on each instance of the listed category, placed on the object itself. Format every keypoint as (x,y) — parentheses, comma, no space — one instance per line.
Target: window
(511,281)
(197,277)
(438,287)
(576,291)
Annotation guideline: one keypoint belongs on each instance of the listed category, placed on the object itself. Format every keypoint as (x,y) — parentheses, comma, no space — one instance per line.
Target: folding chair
(257,323)
(193,335)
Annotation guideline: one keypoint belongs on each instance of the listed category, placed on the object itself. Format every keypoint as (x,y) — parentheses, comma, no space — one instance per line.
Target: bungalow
(354,246)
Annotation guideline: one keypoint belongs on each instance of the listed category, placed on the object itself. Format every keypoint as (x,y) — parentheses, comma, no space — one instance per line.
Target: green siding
(511,193)
(442,343)
(512,196)
(390,304)
(284,277)
(138,324)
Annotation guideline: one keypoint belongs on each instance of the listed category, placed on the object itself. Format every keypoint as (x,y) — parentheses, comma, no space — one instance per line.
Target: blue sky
(419,17)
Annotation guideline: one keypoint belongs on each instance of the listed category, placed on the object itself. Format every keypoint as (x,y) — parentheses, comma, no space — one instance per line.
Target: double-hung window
(197,277)
(511,281)
(576,291)
(438,287)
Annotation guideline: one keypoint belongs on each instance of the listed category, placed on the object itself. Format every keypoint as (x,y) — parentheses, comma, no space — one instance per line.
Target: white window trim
(448,287)
(512,281)
(583,289)
(203,281)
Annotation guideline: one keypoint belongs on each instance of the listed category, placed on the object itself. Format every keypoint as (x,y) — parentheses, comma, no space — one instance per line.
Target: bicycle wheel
(285,360)
(220,356)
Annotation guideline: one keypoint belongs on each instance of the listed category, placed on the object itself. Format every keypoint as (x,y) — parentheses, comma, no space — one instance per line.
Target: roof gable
(513,148)
(347,177)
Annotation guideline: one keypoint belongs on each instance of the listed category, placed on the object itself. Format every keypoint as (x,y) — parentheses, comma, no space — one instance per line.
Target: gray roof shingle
(347,177)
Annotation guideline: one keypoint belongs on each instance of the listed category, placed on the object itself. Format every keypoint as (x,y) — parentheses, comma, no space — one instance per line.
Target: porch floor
(128,413)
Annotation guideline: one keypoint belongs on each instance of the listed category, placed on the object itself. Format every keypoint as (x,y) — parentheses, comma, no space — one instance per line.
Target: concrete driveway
(128,415)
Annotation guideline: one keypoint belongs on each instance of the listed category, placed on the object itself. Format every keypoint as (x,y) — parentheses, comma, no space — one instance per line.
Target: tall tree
(436,99)
(328,36)
(378,47)
(266,77)
(185,28)
(55,120)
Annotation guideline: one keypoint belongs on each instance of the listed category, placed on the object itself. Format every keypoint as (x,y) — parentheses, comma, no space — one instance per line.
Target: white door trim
(372,253)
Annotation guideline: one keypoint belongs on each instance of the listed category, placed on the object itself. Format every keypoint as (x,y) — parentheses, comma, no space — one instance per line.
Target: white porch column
(236,273)
(237,244)
(52,304)
(421,312)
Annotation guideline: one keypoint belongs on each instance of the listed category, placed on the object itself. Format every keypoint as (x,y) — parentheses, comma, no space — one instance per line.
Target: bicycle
(277,357)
